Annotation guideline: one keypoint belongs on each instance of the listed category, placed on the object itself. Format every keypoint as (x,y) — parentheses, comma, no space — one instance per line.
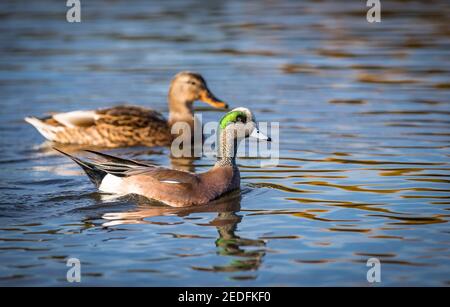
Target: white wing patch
(111,184)
(76,118)
(170,181)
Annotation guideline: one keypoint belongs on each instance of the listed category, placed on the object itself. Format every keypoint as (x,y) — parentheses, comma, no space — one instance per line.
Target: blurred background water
(364,142)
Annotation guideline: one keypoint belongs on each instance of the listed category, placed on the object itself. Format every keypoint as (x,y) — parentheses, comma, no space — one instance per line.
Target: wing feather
(76,118)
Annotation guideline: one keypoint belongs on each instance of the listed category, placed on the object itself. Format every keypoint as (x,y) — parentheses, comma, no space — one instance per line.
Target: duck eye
(192,82)
(241,119)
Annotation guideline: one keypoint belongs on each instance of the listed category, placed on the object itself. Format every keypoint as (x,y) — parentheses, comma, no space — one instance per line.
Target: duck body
(175,188)
(112,127)
(129,125)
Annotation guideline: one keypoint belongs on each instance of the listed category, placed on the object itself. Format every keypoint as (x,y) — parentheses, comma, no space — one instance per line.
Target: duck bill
(260,136)
(208,97)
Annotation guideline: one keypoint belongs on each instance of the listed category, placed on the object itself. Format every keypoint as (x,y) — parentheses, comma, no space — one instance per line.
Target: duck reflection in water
(248,253)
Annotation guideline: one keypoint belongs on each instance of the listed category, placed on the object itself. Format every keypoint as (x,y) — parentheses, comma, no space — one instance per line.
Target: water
(364,143)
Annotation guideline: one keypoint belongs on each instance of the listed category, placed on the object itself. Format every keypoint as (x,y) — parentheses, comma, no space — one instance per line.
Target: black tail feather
(117,160)
(95,174)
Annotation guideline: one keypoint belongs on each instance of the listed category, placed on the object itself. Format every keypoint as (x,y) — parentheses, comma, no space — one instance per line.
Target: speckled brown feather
(116,127)
(131,125)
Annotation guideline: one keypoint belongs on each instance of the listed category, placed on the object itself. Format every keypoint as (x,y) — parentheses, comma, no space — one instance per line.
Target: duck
(176,188)
(129,125)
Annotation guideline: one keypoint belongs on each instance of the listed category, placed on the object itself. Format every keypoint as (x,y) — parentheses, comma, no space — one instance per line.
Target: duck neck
(227,148)
(179,109)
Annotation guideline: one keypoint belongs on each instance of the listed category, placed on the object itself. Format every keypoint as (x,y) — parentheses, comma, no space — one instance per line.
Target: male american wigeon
(174,187)
(129,125)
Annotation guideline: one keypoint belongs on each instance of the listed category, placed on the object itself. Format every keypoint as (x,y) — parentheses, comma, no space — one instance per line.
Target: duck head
(187,87)
(236,125)
(241,123)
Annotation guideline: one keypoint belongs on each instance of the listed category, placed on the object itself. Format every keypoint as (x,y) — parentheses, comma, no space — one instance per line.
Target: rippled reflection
(247,254)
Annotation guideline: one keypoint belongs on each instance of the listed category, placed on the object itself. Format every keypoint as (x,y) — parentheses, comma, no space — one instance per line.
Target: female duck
(129,125)
(173,187)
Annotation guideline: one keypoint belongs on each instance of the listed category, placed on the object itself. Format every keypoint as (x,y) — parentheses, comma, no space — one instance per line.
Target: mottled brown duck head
(187,87)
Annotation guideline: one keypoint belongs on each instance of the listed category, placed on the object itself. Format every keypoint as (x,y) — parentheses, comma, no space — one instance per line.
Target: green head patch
(232,117)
